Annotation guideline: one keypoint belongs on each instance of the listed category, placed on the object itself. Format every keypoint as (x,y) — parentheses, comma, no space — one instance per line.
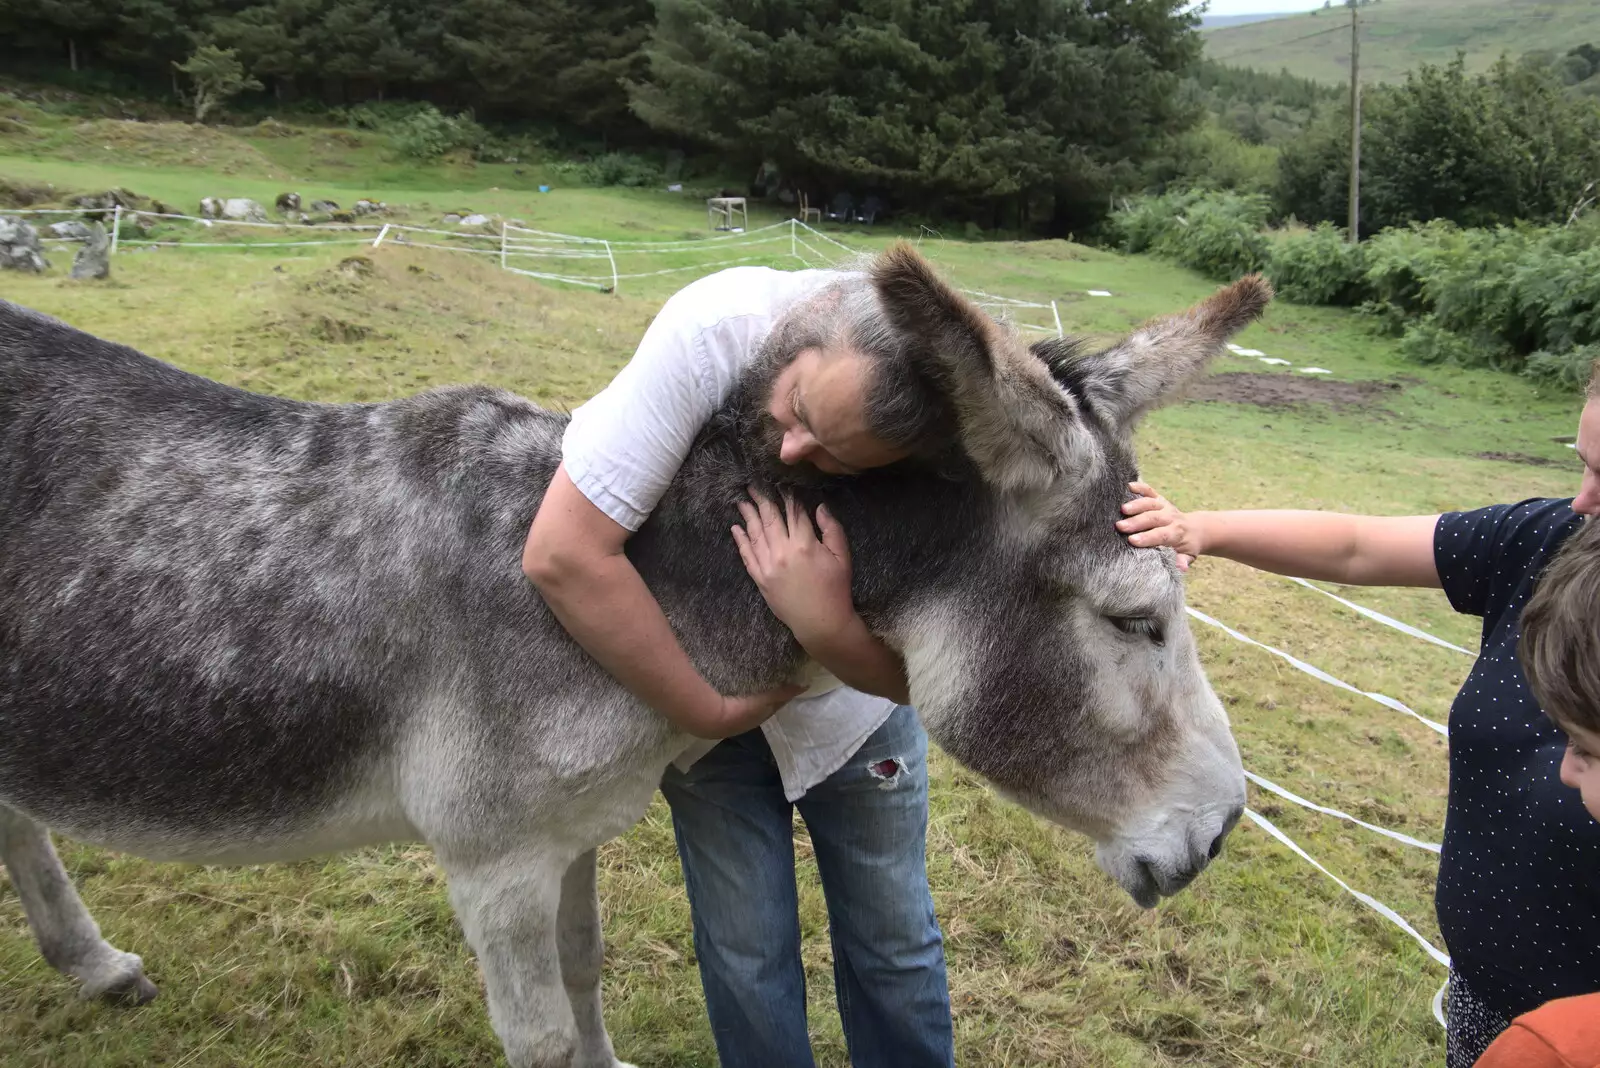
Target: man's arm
(1360,550)
(574,555)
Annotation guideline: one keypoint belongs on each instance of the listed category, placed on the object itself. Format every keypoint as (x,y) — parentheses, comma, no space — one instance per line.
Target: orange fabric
(1559,1034)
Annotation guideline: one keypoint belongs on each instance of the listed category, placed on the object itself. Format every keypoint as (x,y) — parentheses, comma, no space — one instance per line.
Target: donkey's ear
(1123,382)
(1021,428)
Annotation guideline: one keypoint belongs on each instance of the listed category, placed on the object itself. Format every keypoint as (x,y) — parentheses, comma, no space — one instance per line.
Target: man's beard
(760,435)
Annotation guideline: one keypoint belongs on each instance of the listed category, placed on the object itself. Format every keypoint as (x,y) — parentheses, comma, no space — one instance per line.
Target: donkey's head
(1059,663)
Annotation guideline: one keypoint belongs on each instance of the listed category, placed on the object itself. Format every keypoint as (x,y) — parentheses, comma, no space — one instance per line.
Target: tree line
(1006,110)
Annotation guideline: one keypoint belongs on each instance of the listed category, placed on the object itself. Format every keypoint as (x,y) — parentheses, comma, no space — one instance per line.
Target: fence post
(613,260)
(1057,313)
(381,235)
(793,251)
(116,227)
(502,244)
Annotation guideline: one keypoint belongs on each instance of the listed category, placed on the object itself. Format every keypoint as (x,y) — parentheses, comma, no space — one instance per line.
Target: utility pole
(1355,122)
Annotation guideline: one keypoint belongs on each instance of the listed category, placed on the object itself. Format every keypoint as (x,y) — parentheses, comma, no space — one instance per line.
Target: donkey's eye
(1140,627)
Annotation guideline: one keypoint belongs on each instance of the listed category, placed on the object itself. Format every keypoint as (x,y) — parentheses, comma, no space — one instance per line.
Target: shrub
(1564,370)
(429,135)
(611,169)
(1217,234)
(1319,267)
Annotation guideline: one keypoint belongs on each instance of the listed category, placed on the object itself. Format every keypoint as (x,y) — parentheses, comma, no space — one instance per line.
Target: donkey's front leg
(582,952)
(67,935)
(508,906)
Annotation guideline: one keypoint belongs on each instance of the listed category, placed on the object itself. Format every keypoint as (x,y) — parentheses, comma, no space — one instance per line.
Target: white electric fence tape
(1318,673)
(1379,617)
(1269,785)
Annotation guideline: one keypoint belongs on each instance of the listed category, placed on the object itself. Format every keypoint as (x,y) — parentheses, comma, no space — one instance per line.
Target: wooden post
(1355,122)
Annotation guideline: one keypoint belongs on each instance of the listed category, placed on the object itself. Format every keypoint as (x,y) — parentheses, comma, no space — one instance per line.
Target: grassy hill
(1397,35)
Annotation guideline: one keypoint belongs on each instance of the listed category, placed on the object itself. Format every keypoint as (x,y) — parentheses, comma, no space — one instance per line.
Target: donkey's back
(224,616)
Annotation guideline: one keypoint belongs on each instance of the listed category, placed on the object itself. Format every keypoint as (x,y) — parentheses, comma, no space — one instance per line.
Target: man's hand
(805,580)
(1153,520)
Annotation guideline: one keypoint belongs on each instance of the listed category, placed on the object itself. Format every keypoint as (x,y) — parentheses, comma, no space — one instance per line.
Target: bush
(1319,267)
(612,169)
(1217,234)
(1564,370)
(429,135)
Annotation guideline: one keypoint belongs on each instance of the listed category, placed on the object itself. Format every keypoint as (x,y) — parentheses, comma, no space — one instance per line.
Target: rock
(369,207)
(19,247)
(109,201)
(94,258)
(241,209)
(452,218)
(72,229)
(210,208)
(287,203)
(475,220)
(324,206)
(342,217)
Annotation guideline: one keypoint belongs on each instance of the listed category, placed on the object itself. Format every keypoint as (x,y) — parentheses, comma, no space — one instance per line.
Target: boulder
(288,203)
(210,208)
(19,247)
(324,206)
(94,258)
(452,218)
(71,229)
(476,220)
(369,207)
(240,209)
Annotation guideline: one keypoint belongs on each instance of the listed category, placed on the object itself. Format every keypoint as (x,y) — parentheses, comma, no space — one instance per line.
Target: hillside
(1218,22)
(1397,35)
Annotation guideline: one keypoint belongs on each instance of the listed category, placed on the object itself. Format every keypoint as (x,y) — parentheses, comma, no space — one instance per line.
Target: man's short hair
(1560,643)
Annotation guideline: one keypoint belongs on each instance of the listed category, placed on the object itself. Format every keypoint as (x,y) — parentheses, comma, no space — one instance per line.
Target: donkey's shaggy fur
(240,628)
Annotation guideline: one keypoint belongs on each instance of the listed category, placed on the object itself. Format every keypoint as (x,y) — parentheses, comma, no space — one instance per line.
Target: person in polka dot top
(1518,894)
(1560,652)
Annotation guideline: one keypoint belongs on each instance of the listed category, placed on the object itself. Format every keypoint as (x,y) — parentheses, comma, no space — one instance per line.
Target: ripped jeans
(868,826)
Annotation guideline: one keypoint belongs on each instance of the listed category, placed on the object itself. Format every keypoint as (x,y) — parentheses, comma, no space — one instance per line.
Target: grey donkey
(237,628)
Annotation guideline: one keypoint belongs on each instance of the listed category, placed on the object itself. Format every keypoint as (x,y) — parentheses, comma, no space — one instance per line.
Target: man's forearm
(609,611)
(858,658)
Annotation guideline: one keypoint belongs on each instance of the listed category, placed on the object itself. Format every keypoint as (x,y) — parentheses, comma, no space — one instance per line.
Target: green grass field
(1398,35)
(356,960)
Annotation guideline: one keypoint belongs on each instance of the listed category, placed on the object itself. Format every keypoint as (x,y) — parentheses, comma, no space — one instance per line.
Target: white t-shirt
(625,445)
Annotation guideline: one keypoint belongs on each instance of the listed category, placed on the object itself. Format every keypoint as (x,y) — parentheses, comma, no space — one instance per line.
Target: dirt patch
(1523,458)
(1288,390)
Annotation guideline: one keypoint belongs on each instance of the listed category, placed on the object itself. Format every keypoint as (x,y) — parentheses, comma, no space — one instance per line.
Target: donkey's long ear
(1123,382)
(1020,427)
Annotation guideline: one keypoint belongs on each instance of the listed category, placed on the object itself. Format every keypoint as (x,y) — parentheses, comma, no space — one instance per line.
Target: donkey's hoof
(134,990)
(120,979)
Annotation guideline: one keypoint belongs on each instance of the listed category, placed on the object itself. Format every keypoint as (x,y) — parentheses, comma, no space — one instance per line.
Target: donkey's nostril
(1216,846)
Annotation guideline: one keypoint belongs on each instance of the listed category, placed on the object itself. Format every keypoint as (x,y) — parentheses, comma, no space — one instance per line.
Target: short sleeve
(1465,548)
(1483,554)
(625,444)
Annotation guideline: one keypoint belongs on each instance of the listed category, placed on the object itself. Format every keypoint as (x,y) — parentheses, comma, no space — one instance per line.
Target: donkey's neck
(905,526)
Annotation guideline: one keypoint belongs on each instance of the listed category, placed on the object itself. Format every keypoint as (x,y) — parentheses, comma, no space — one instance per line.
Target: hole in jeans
(886,770)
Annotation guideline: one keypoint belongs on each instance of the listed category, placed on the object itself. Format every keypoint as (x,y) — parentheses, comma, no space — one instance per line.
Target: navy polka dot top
(1519,880)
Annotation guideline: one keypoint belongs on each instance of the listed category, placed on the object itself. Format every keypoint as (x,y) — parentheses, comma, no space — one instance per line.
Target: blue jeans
(868,824)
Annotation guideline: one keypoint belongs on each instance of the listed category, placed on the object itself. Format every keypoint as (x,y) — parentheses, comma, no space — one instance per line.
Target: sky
(1259,7)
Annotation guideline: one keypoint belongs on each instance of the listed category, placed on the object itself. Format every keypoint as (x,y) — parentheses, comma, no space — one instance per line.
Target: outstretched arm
(1360,550)
(574,555)
(806,583)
